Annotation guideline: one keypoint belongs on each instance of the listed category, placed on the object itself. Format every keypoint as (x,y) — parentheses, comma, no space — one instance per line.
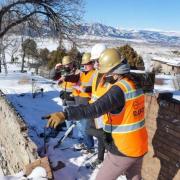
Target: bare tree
(10,45)
(58,15)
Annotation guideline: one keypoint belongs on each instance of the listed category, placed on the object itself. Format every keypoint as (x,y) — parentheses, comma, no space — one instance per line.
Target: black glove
(62,95)
(64,102)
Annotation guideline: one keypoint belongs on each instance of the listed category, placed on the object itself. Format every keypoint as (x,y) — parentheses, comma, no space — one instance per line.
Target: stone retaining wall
(16,148)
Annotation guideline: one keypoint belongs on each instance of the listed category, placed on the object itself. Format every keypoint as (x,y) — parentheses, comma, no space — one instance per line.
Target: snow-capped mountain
(97,29)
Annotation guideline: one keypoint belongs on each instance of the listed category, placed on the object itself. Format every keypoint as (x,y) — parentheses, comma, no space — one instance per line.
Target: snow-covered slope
(18,90)
(152,36)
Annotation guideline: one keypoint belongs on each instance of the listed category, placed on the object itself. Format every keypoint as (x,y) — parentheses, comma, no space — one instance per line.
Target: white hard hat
(96,51)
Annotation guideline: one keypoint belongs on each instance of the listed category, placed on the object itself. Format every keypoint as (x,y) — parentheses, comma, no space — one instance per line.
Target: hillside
(161,37)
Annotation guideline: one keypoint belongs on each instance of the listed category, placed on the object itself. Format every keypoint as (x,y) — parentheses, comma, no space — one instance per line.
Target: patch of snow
(168,60)
(167,85)
(148,63)
(38,173)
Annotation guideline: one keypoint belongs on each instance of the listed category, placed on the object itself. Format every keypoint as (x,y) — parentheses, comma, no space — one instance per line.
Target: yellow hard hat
(86,58)
(66,60)
(109,59)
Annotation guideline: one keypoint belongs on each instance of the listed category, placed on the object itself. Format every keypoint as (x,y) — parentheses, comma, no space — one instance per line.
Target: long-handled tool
(45,140)
(65,135)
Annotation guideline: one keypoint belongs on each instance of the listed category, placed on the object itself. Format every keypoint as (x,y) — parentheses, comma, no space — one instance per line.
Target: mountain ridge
(101,30)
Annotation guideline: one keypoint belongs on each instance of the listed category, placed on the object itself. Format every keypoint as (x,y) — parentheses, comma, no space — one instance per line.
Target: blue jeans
(83,125)
(69,122)
(79,131)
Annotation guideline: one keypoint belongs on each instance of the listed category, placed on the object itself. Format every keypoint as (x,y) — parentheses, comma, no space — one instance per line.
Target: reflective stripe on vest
(67,86)
(67,89)
(89,83)
(85,81)
(133,94)
(126,85)
(86,84)
(124,128)
(99,122)
(130,94)
(94,97)
(127,128)
(96,94)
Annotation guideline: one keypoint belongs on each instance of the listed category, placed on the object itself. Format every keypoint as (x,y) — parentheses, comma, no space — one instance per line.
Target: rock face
(16,148)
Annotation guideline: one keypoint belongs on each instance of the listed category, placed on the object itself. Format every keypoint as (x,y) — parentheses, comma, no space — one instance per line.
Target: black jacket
(113,101)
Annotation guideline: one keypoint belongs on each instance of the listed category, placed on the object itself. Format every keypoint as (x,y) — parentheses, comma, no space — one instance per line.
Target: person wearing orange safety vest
(85,79)
(124,129)
(67,87)
(82,95)
(99,88)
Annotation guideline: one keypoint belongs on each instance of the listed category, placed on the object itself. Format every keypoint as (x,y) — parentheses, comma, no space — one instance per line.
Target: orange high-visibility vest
(128,127)
(85,81)
(67,86)
(97,92)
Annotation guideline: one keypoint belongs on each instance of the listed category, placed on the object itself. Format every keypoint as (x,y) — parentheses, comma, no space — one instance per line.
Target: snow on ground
(166,83)
(39,173)
(168,60)
(50,44)
(18,89)
(93,37)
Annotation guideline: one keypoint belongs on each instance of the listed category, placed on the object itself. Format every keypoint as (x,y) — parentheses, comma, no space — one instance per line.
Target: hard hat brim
(67,64)
(87,63)
(104,70)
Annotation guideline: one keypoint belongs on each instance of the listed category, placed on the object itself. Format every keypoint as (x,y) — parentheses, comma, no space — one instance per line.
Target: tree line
(44,57)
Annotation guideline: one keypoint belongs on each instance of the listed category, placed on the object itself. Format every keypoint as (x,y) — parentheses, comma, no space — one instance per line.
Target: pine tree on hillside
(135,60)
(55,57)
(75,55)
(29,49)
(43,55)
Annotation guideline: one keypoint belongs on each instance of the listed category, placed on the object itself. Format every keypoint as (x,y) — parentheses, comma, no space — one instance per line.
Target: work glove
(62,94)
(54,119)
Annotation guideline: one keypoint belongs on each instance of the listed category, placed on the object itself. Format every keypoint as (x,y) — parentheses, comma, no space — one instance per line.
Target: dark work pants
(99,134)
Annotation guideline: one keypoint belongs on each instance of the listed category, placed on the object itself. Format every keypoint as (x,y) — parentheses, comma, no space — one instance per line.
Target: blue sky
(134,14)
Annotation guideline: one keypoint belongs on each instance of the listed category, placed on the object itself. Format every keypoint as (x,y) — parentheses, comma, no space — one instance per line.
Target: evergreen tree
(132,57)
(76,56)
(43,55)
(29,47)
(56,57)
